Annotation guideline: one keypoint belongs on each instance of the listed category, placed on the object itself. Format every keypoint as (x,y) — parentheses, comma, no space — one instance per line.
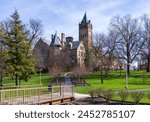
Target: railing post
(60,89)
(72,91)
(52,92)
(0,96)
(63,91)
(23,96)
(39,96)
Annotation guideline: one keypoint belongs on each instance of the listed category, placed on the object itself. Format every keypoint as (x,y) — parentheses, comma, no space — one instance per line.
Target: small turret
(55,40)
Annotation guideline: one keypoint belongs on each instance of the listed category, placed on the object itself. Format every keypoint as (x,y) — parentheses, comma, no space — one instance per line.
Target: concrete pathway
(78,95)
(132,90)
(67,80)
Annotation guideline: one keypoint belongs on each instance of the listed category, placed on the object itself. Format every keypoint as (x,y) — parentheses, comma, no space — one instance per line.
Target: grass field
(113,81)
(34,80)
(136,80)
(116,82)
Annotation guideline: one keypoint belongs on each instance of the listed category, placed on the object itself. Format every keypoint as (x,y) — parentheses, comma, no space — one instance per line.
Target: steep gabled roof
(55,40)
(75,44)
(41,43)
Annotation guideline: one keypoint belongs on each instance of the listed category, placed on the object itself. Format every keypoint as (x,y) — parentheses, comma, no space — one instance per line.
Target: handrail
(35,95)
(56,86)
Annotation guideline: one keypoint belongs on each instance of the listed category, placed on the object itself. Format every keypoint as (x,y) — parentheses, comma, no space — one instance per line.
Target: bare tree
(102,51)
(35,30)
(56,72)
(146,37)
(61,59)
(81,72)
(129,40)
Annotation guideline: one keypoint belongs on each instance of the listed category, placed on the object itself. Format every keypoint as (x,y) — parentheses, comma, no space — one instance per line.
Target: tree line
(128,39)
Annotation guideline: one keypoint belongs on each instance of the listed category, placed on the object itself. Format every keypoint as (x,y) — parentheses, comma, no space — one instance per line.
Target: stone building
(76,50)
(41,52)
(86,33)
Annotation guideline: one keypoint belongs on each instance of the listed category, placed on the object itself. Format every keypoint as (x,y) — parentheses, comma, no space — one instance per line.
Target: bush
(123,95)
(137,96)
(108,94)
(92,93)
(99,92)
(148,95)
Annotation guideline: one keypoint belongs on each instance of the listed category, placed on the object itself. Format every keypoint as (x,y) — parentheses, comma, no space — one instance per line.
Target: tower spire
(84,20)
(85,32)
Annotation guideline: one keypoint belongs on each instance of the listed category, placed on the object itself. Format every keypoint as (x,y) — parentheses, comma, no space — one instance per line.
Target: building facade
(76,50)
(86,33)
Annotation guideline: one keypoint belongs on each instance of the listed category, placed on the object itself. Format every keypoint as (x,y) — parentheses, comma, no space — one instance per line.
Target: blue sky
(65,15)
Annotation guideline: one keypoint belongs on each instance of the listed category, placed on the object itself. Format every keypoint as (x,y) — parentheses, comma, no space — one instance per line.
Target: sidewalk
(78,95)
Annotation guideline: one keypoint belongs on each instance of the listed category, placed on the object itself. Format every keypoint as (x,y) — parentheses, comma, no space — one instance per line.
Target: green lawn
(33,80)
(115,82)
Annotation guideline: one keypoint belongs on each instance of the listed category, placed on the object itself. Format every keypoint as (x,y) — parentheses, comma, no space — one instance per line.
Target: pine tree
(2,62)
(2,54)
(19,59)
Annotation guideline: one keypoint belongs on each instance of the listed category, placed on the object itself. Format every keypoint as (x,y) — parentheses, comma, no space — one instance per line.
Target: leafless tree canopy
(102,50)
(81,72)
(61,59)
(146,37)
(129,41)
(56,72)
(36,30)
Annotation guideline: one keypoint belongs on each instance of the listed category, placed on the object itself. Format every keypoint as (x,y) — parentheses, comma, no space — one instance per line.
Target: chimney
(52,36)
(69,39)
(62,38)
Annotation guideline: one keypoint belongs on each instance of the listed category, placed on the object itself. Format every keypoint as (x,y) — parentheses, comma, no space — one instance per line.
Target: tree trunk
(128,67)
(101,77)
(16,79)
(120,71)
(128,59)
(148,64)
(57,80)
(1,80)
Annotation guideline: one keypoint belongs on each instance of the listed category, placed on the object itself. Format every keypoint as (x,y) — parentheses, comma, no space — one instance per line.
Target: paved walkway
(67,79)
(143,89)
(132,90)
(78,95)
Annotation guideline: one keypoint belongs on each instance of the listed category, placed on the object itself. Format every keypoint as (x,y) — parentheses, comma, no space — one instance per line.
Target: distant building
(41,52)
(75,49)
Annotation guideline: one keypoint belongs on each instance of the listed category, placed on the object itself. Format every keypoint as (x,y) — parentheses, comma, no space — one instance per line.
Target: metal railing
(35,95)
